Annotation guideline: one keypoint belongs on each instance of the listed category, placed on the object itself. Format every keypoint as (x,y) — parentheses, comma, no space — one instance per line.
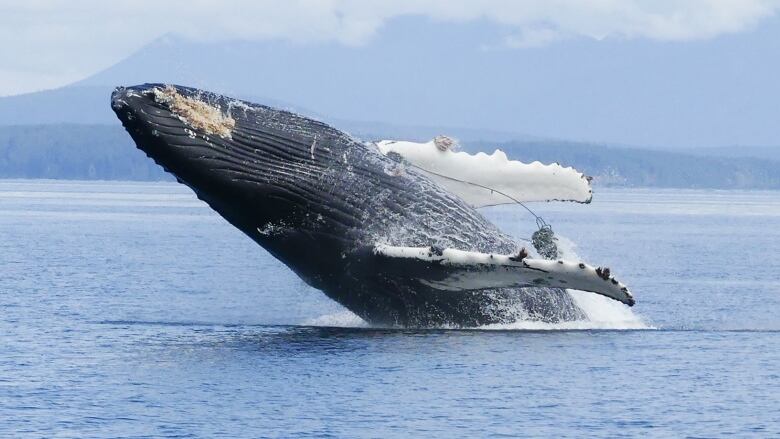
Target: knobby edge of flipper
(456,270)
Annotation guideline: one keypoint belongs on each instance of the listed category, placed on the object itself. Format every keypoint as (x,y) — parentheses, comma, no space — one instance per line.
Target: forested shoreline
(106,152)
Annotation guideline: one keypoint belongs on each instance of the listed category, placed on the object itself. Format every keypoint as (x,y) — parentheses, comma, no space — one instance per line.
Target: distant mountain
(418,72)
(714,92)
(420,78)
(82,104)
(74,105)
(89,104)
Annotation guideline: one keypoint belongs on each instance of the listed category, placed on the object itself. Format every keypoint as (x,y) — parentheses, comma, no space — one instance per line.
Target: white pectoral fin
(486,180)
(580,276)
(458,270)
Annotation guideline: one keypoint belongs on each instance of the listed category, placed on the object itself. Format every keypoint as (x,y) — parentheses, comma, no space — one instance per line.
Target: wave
(339,319)
(602,313)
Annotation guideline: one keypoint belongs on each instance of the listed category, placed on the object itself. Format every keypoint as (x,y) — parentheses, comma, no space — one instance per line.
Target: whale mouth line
(200,115)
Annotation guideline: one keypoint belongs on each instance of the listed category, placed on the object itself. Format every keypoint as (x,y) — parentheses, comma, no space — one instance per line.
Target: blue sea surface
(132,310)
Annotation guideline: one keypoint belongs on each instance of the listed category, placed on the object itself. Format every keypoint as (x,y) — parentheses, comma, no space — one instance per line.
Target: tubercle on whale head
(197,113)
(191,109)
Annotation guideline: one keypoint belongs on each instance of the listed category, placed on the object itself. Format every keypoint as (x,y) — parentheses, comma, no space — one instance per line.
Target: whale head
(285,180)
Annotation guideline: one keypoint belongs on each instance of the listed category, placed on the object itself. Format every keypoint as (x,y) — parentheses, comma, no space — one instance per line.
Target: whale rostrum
(385,240)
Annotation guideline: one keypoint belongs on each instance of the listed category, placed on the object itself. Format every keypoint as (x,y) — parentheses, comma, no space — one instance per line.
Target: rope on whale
(543,239)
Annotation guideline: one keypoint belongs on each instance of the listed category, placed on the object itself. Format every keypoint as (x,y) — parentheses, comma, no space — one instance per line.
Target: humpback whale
(385,240)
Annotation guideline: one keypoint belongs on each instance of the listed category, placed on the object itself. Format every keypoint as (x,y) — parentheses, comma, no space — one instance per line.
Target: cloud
(49,43)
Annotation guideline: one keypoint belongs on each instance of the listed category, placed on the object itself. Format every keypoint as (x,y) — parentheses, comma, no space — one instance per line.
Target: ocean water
(132,310)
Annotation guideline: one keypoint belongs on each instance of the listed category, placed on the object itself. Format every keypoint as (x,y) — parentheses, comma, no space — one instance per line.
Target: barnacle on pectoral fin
(196,113)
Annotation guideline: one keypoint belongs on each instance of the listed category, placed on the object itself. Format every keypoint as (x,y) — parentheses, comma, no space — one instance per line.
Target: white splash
(339,319)
(577,325)
(602,313)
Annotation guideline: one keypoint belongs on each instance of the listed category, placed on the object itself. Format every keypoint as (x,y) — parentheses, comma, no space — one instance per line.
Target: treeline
(106,152)
(76,152)
(613,166)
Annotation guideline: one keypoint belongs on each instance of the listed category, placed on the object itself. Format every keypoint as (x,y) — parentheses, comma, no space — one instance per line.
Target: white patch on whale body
(271,229)
(481,179)
(198,114)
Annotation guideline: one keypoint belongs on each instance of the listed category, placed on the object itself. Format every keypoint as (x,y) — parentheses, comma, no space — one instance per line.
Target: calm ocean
(132,310)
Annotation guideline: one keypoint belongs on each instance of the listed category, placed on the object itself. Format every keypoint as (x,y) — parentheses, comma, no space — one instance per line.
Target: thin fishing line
(540,222)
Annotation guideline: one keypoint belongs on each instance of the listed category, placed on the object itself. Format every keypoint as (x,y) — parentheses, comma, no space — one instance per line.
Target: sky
(46,44)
